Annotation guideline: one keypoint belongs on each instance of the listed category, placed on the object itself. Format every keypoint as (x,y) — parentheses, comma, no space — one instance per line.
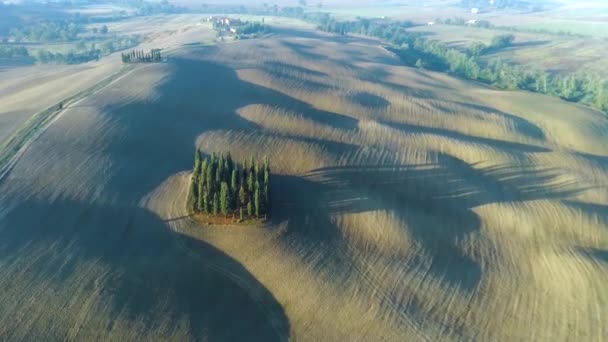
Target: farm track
(14,147)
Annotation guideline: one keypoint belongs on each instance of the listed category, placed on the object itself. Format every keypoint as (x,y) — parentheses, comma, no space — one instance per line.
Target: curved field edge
(15,145)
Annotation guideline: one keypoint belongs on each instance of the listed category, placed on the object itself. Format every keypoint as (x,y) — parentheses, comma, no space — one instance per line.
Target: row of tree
(523,5)
(49,31)
(485,24)
(139,56)
(221,186)
(7,51)
(72,57)
(416,50)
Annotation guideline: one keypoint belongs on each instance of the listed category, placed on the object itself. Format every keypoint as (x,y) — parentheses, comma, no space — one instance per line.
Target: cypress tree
(233,182)
(194,190)
(249,209)
(210,179)
(250,183)
(197,163)
(241,214)
(266,177)
(201,201)
(203,176)
(230,163)
(242,196)
(224,198)
(206,201)
(216,204)
(227,172)
(256,199)
(192,198)
(218,175)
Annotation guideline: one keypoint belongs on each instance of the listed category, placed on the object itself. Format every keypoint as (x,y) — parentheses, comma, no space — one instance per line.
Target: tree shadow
(494,143)
(435,201)
(179,118)
(369,100)
(157,277)
(293,69)
(148,141)
(522,125)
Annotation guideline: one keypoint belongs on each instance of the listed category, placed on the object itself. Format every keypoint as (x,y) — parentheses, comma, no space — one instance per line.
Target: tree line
(13,51)
(485,24)
(139,56)
(416,50)
(219,185)
(51,31)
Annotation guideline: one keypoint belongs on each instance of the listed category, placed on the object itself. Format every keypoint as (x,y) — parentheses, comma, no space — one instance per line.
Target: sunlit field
(408,205)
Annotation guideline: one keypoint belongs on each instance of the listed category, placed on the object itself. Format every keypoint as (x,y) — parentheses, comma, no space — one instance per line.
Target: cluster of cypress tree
(221,186)
(141,56)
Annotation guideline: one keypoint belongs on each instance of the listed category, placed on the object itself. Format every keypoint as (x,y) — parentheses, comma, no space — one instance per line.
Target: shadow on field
(369,100)
(156,275)
(522,125)
(157,278)
(197,96)
(436,202)
(494,143)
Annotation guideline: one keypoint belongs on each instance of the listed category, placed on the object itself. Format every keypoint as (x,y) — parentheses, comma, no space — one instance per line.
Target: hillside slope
(408,206)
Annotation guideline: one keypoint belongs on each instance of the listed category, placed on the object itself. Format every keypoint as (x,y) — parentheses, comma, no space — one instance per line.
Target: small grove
(220,186)
(136,56)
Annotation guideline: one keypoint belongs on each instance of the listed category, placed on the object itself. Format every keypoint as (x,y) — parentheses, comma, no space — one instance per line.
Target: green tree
(210,178)
(419,64)
(230,163)
(224,198)
(241,214)
(216,204)
(201,200)
(219,175)
(206,203)
(249,209)
(234,181)
(476,49)
(250,182)
(242,196)
(197,164)
(203,171)
(192,198)
(256,199)
(502,41)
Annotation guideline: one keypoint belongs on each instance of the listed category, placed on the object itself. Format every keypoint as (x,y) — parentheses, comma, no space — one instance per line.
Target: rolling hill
(409,205)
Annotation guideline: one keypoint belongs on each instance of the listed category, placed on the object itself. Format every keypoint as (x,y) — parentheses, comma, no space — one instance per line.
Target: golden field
(408,205)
